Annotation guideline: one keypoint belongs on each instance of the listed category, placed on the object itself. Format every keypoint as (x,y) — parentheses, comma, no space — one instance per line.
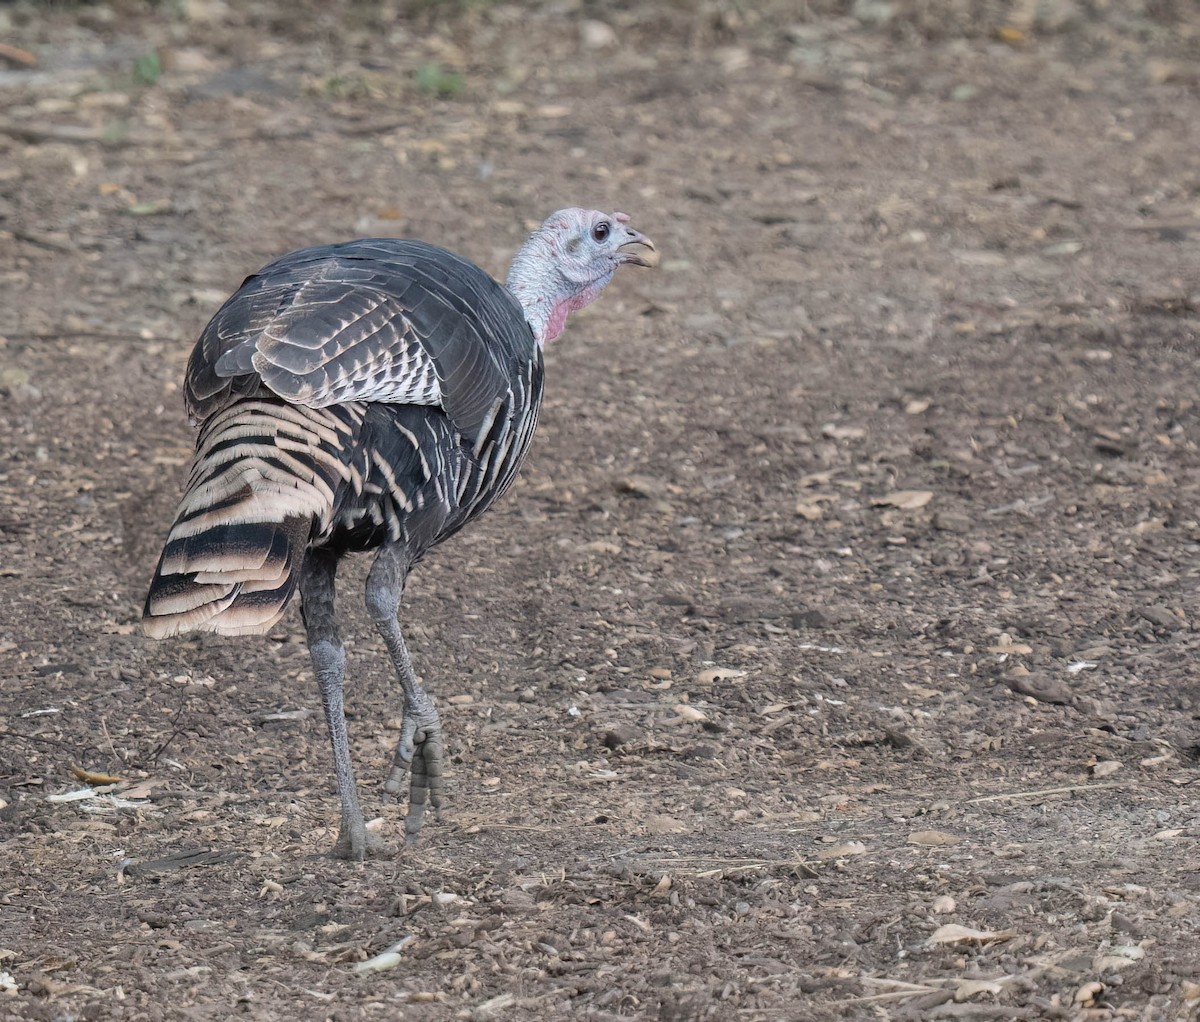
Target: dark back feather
(376,391)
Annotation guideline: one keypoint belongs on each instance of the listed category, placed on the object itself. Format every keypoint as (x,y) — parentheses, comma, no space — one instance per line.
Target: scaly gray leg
(329,662)
(421,749)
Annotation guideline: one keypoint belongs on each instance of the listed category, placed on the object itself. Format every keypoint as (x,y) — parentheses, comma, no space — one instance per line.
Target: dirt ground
(835,655)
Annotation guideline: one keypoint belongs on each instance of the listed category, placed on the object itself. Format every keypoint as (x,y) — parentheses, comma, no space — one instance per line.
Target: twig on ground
(1010,795)
(18,56)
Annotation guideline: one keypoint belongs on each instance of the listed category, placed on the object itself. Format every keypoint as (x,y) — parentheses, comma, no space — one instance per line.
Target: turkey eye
(600,231)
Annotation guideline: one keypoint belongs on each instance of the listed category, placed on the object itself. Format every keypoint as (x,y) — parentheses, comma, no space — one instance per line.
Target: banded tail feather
(263,484)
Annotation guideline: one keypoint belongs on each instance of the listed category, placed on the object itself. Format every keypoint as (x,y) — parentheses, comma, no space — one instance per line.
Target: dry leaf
(835,432)
(153,207)
(88,777)
(920,691)
(1044,690)
(1016,648)
(905,500)
(142,789)
(71,796)
(841,851)
(943,904)
(718,674)
(387,960)
(952,933)
(933,838)
(1113,962)
(815,478)
(689,713)
(969,988)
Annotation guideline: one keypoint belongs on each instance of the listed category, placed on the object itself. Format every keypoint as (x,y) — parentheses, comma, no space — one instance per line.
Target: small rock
(1161,617)
(643,486)
(660,823)
(1124,924)
(597,35)
(806,619)
(621,734)
(1044,690)
(517,900)
(951,521)
(690,713)
(13,377)
(873,12)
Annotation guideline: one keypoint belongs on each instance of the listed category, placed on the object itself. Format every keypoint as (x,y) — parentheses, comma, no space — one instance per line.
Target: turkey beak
(638,249)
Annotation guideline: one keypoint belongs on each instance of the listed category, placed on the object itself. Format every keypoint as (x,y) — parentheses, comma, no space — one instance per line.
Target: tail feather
(231,561)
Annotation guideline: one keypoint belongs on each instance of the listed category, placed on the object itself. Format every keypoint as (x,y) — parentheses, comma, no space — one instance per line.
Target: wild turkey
(372,394)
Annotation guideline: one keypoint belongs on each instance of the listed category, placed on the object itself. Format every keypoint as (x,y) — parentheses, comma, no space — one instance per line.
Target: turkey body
(348,396)
(372,395)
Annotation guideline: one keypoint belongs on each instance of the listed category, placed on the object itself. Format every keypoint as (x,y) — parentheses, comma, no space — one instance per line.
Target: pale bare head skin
(568,261)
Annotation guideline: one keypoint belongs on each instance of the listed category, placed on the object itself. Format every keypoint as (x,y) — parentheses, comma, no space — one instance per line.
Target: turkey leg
(421,750)
(317,576)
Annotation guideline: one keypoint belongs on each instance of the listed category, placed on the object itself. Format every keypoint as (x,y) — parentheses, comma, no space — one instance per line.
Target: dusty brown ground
(850,592)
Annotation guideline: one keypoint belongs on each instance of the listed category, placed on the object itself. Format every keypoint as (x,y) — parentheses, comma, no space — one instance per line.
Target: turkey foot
(421,751)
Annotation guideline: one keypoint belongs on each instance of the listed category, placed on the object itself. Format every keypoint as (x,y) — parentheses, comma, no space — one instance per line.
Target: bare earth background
(835,656)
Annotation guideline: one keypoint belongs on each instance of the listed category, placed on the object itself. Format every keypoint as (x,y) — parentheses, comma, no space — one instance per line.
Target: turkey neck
(547,296)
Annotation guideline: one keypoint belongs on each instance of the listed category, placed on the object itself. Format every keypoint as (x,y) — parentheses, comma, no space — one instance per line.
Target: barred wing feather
(398,322)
